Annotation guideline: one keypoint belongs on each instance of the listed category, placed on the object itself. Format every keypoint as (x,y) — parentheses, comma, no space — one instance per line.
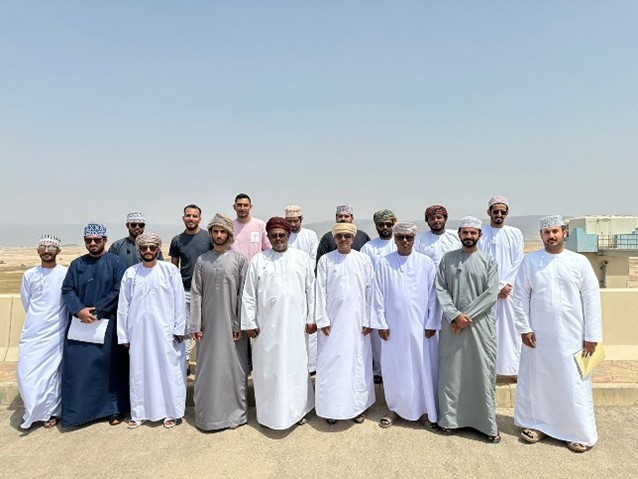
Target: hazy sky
(112,106)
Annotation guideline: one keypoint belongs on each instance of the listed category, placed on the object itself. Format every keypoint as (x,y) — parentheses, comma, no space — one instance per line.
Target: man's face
(553,238)
(149,252)
(497,214)
(404,243)
(95,244)
(278,239)
(384,228)
(344,218)
(436,223)
(191,219)
(344,242)
(469,236)
(135,229)
(48,253)
(295,223)
(242,207)
(219,235)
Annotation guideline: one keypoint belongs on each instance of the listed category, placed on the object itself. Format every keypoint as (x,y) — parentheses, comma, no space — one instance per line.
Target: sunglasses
(385,224)
(137,225)
(150,247)
(343,236)
(404,237)
(499,213)
(93,240)
(277,235)
(45,247)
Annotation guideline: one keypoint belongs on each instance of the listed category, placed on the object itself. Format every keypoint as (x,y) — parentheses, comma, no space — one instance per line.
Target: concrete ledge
(615,394)
(604,395)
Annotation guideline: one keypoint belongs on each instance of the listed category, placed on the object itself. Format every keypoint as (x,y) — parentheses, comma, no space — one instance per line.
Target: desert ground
(14,261)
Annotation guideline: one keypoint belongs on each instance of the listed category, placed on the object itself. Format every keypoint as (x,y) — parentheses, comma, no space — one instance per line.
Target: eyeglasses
(277,235)
(151,247)
(93,240)
(137,225)
(404,237)
(343,236)
(385,224)
(499,213)
(44,247)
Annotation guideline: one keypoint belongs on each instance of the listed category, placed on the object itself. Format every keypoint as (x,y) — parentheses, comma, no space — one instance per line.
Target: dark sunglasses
(499,213)
(385,224)
(137,225)
(404,237)
(151,247)
(93,240)
(343,236)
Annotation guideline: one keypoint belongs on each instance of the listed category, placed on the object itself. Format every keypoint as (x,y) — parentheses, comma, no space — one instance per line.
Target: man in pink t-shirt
(250,233)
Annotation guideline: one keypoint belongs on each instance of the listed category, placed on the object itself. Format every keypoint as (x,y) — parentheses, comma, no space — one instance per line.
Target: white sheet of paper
(88,332)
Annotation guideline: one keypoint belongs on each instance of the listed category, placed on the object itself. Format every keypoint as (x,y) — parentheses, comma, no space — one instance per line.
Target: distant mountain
(26,235)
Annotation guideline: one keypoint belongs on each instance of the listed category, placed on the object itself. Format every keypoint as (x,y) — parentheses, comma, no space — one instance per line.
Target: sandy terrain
(15,261)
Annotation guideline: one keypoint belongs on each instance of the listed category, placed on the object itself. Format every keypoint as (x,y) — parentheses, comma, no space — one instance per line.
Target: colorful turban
(498,199)
(549,221)
(470,222)
(405,228)
(435,210)
(384,215)
(278,222)
(94,229)
(225,222)
(135,217)
(49,240)
(344,209)
(148,238)
(344,228)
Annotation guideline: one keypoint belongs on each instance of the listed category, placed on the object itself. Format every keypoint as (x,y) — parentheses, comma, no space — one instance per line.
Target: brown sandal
(52,422)
(359,419)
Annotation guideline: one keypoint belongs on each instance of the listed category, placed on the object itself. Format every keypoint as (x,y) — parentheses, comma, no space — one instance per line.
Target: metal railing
(624,241)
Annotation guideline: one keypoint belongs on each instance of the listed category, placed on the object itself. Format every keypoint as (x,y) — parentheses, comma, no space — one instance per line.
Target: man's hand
(311,328)
(529,339)
(237,335)
(253,333)
(505,292)
(86,315)
(126,345)
(384,334)
(178,337)
(197,337)
(326,330)
(429,333)
(461,321)
(365,330)
(588,348)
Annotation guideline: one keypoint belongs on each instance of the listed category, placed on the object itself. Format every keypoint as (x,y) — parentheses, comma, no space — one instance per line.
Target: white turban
(135,217)
(498,199)
(49,240)
(470,222)
(549,221)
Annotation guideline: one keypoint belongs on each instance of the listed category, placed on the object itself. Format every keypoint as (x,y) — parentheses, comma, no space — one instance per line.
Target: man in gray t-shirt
(185,248)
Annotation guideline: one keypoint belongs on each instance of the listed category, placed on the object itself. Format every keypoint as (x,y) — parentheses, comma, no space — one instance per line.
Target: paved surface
(315,450)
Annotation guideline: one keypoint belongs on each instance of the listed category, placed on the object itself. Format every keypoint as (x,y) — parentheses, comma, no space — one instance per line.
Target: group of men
(433,316)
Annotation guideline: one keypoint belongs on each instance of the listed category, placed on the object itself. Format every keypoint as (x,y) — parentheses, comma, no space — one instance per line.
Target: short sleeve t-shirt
(188,248)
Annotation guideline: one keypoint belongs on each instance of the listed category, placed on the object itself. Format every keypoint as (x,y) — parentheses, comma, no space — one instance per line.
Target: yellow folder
(587,365)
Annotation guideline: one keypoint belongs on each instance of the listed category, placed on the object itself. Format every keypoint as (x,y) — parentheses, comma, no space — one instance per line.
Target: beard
(469,242)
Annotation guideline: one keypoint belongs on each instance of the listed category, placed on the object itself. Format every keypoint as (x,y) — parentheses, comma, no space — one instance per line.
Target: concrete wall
(617,269)
(620,323)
